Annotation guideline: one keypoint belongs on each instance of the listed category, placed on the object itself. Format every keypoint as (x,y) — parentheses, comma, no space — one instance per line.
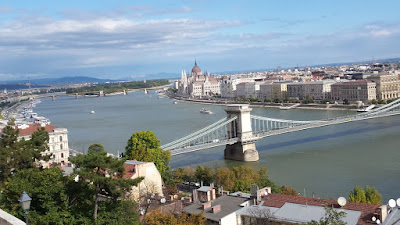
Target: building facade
(353,91)
(58,143)
(152,182)
(387,86)
(198,85)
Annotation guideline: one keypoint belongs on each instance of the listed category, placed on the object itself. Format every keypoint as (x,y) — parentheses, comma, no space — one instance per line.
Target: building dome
(196,70)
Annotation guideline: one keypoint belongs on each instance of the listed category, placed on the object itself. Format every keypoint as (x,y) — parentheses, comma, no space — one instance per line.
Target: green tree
(118,212)
(48,192)
(204,174)
(144,146)
(104,174)
(96,148)
(332,217)
(225,177)
(357,195)
(372,196)
(17,155)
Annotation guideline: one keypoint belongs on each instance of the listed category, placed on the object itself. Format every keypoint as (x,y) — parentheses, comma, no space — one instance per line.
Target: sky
(122,39)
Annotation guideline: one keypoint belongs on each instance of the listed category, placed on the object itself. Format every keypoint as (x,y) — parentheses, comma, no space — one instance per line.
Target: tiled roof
(130,167)
(278,200)
(35,127)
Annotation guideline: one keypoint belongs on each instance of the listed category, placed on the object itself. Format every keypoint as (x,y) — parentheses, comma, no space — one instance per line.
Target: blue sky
(121,38)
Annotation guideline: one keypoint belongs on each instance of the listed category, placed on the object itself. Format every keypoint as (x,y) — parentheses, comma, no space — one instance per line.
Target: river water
(326,162)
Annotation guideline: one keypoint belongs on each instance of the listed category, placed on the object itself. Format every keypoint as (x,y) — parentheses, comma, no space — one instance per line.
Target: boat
(205,111)
(289,107)
(92,112)
(366,109)
(175,102)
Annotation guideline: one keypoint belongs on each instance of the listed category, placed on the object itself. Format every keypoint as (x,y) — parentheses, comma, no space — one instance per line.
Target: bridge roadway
(301,125)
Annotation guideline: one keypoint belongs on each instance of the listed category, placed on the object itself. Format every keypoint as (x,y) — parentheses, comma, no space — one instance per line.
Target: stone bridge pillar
(245,148)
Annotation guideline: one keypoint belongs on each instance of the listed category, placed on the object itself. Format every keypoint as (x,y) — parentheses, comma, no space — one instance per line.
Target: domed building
(196,69)
(197,85)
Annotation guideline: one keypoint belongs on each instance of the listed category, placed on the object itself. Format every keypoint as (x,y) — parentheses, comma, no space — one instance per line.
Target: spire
(195,63)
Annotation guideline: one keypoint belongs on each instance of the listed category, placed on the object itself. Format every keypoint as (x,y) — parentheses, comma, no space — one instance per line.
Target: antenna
(341,201)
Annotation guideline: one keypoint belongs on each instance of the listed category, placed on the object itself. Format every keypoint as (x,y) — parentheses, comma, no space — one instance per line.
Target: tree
(332,217)
(225,177)
(287,190)
(372,196)
(96,148)
(144,146)
(104,174)
(17,155)
(357,195)
(204,174)
(48,192)
(158,218)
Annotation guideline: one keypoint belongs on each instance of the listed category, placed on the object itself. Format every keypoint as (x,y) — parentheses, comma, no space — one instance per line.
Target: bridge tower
(245,148)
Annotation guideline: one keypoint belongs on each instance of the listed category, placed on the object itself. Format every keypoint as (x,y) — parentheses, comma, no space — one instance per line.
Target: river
(326,162)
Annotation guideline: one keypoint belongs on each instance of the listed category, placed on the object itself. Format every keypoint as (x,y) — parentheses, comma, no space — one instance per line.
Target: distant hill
(69,80)
(61,80)
(13,86)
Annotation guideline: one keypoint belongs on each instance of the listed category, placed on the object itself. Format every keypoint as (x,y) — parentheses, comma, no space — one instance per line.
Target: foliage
(159,218)
(49,196)
(357,195)
(287,190)
(253,99)
(324,101)
(374,101)
(307,100)
(118,212)
(267,100)
(17,155)
(381,101)
(332,217)
(369,195)
(96,148)
(117,87)
(144,146)
(346,102)
(372,196)
(235,179)
(204,174)
(104,174)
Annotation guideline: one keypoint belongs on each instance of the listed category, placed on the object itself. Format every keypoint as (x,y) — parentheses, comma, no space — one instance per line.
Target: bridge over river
(240,130)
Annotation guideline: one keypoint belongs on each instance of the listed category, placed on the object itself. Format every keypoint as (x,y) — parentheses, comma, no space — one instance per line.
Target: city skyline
(120,39)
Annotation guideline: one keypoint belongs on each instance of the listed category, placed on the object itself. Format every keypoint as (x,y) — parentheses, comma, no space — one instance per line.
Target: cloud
(5,9)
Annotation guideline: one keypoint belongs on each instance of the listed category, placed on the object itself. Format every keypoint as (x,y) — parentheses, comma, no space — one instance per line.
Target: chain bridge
(240,130)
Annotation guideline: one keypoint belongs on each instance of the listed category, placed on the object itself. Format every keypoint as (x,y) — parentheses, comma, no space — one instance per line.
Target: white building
(58,142)
(248,90)
(197,84)
(152,182)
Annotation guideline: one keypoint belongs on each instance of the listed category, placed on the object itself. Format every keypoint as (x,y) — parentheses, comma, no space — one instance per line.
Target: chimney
(206,205)
(216,209)
(383,212)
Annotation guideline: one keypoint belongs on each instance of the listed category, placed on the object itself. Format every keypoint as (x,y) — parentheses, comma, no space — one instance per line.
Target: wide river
(327,162)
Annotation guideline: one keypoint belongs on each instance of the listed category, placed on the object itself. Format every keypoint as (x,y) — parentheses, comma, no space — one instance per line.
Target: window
(62,155)
(61,147)
(60,138)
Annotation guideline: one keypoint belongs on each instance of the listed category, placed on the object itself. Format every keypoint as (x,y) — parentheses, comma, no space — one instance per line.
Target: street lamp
(26,204)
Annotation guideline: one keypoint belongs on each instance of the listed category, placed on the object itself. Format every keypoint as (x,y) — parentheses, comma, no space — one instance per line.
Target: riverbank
(351,107)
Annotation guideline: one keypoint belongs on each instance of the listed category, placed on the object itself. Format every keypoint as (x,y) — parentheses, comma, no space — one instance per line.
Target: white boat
(206,111)
(289,107)
(366,109)
(92,112)
(175,102)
